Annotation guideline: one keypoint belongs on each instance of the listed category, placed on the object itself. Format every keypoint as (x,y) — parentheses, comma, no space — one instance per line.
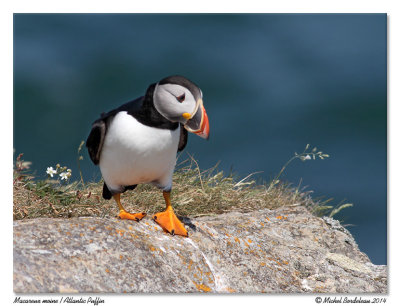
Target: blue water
(271,83)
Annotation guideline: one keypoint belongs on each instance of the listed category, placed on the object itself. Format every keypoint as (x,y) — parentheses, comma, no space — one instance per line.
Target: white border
(199,6)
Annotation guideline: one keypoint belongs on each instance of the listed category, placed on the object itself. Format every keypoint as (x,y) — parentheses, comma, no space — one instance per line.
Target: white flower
(50,171)
(307,157)
(65,175)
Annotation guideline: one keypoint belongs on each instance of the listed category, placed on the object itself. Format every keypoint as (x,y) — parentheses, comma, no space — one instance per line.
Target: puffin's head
(180,100)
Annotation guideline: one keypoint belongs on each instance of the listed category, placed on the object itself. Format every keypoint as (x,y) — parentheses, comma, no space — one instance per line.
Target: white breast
(134,153)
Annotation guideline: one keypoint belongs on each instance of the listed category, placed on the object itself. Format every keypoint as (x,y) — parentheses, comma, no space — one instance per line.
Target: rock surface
(283,250)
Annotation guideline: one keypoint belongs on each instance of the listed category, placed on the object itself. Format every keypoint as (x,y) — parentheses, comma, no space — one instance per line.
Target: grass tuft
(195,193)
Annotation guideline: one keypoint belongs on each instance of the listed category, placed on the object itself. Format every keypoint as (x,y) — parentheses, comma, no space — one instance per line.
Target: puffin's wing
(95,141)
(182,138)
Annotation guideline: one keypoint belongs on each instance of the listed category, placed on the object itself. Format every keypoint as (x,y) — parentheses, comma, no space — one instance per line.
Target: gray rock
(283,250)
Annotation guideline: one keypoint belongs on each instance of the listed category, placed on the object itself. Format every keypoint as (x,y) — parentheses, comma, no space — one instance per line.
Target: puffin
(137,143)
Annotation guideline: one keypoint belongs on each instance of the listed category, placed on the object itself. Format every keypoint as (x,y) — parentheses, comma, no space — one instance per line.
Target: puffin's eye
(181,98)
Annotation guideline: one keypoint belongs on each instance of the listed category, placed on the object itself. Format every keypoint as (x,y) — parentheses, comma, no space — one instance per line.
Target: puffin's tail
(106,193)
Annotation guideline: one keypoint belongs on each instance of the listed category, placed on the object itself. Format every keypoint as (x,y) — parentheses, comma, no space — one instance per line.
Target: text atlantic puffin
(137,143)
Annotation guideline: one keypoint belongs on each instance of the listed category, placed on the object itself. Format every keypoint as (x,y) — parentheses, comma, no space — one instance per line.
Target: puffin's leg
(168,220)
(123,214)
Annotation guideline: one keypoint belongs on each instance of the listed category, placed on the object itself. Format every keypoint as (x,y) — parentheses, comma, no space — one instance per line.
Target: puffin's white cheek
(164,105)
(170,110)
(190,107)
(173,110)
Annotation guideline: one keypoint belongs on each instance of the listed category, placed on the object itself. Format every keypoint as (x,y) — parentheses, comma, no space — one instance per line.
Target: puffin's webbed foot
(168,220)
(123,214)
(170,223)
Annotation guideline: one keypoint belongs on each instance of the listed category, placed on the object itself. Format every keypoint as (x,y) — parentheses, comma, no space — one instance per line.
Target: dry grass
(195,193)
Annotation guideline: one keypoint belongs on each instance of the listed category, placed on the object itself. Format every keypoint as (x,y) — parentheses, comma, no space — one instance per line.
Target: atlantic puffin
(137,143)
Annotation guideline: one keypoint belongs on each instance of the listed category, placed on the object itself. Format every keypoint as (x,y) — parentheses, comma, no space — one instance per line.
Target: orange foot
(170,223)
(125,215)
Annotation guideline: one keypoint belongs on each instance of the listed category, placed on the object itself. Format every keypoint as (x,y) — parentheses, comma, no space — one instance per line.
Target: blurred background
(272,83)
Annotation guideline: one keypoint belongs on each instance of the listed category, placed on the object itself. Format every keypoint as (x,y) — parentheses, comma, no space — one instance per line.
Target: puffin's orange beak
(198,122)
(204,130)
